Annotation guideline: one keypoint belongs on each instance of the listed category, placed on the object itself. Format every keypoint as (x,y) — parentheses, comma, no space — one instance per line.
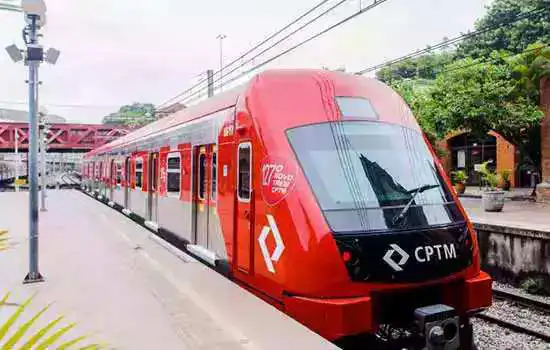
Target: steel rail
(513,326)
(522,300)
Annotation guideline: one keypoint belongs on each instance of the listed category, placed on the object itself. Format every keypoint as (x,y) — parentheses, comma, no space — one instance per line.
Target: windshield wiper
(408,206)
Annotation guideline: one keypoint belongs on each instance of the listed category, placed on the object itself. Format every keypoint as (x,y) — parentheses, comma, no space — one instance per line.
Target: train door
(112,180)
(244,210)
(202,197)
(127,180)
(99,176)
(152,203)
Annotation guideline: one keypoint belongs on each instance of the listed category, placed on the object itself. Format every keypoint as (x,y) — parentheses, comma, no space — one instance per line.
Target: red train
(317,191)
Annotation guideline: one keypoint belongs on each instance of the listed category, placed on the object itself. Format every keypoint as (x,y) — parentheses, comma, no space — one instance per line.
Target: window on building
(202,175)
(214,176)
(245,170)
(139,172)
(173,174)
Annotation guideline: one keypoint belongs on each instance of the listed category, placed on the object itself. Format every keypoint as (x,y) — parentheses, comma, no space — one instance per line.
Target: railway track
(514,326)
(521,300)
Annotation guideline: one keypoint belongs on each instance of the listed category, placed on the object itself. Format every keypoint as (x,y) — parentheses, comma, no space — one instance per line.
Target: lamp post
(35,16)
(221,37)
(17,160)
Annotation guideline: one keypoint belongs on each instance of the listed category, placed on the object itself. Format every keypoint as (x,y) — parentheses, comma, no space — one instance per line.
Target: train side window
(118,173)
(173,175)
(139,172)
(245,172)
(202,175)
(214,176)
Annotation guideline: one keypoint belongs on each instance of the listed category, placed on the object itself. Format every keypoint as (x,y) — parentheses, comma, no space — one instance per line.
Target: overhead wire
(294,21)
(265,62)
(62,105)
(485,62)
(457,39)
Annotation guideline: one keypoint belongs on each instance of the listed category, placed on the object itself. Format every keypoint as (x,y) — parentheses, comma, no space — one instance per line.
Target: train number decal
(278,178)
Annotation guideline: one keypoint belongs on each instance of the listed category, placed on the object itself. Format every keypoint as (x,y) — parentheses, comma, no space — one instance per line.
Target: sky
(118,52)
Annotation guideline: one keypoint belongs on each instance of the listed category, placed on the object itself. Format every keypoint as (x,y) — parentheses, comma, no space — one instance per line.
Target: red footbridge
(61,137)
(67,143)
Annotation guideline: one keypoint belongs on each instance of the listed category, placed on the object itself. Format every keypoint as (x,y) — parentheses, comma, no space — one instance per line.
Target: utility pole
(221,37)
(210,78)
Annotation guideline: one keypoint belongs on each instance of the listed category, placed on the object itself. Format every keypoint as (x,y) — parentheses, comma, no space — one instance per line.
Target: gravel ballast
(490,336)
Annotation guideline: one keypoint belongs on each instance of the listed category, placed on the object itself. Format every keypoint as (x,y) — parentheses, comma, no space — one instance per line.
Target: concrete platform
(515,214)
(130,290)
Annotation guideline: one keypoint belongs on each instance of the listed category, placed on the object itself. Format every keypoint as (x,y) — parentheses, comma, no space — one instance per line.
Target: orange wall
(506,154)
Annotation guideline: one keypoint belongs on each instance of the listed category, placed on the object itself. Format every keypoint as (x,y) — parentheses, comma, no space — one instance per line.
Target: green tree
(134,115)
(480,96)
(415,94)
(423,67)
(514,37)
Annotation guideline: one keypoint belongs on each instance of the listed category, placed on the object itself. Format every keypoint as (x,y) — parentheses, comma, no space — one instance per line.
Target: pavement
(127,288)
(513,193)
(516,214)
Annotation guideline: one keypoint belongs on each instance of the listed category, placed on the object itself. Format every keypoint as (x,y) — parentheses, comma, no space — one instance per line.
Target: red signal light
(346,256)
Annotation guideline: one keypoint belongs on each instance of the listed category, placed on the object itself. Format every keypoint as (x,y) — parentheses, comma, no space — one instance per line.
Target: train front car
(360,226)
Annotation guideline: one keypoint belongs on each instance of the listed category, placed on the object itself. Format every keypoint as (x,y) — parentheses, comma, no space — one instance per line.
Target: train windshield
(372,176)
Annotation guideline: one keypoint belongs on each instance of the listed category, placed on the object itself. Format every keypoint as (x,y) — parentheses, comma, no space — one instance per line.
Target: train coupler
(440,326)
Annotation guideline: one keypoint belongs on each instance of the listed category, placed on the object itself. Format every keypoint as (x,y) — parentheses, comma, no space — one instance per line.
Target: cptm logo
(279,245)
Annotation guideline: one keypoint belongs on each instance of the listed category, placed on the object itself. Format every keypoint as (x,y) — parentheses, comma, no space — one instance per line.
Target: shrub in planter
(504,182)
(459,177)
(492,197)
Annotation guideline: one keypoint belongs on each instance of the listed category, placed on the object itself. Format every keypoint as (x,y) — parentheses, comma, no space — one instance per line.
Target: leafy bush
(459,176)
(490,177)
(505,175)
(534,286)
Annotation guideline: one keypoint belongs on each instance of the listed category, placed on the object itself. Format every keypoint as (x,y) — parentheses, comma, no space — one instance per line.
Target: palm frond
(4,240)
(44,338)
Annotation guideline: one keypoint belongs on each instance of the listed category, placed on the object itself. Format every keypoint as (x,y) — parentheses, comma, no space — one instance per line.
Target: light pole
(35,16)
(221,37)
(17,160)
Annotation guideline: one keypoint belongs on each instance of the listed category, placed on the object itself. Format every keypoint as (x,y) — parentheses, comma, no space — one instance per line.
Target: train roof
(344,81)
(216,103)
